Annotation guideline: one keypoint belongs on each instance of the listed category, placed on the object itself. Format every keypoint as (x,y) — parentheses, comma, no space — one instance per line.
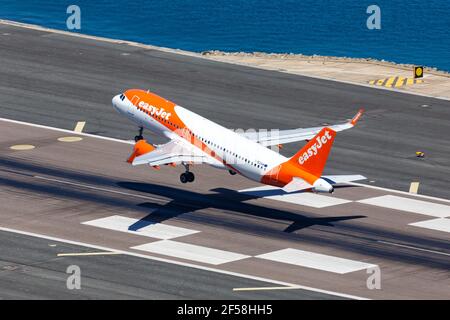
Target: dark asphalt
(56,80)
(55,187)
(30,269)
(249,218)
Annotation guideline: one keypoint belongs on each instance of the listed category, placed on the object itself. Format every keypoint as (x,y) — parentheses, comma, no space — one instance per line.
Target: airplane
(194,139)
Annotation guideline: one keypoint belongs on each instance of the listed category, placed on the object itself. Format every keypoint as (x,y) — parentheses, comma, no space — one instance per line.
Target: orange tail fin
(313,156)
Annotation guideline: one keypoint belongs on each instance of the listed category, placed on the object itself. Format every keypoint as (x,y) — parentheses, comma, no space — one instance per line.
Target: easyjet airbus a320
(197,140)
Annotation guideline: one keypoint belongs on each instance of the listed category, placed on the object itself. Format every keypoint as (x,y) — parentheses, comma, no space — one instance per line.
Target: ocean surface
(413,31)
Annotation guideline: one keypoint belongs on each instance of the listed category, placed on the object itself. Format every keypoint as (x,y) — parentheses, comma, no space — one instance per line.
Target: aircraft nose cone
(116,102)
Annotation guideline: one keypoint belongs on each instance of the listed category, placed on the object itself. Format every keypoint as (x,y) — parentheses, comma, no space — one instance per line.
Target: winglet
(356,117)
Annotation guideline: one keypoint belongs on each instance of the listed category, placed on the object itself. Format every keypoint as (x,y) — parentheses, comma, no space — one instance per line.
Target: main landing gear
(187,176)
(139,136)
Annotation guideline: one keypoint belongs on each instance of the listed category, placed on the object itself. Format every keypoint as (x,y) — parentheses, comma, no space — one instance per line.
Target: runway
(24,274)
(56,80)
(205,239)
(85,192)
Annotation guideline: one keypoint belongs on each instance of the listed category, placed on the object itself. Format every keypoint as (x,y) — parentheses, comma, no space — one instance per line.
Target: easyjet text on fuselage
(155,110)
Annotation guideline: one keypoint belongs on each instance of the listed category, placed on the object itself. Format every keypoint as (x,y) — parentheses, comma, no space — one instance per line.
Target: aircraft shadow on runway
(183,201)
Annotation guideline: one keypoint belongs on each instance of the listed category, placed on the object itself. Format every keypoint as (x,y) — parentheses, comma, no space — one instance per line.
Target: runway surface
(85,192)
(56,80)
(31,269)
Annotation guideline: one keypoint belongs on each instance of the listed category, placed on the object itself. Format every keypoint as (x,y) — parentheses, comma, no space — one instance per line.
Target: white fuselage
(237,153)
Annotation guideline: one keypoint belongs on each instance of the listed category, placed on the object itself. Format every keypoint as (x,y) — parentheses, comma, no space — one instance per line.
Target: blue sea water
(413,31)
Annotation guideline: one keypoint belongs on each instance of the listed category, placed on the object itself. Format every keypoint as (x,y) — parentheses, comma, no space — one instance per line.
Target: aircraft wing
(271,138)
(173,152)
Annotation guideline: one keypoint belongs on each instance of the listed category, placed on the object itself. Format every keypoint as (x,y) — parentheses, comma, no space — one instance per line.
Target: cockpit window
(122,97)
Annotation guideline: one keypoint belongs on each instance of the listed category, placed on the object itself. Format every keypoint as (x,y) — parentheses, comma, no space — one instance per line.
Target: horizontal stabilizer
(296,184)
(343,178)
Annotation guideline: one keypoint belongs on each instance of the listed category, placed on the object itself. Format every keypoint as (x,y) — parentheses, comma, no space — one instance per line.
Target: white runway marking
(80,126)
(413,248)
(70,139)
(414,187)
(410,205)
(65,130)
(301,198)
(440,224)
(179,263)
(315,261)
(266,288)
(79,254)
(191,252)
(133,226)
(21,147)
(420,196)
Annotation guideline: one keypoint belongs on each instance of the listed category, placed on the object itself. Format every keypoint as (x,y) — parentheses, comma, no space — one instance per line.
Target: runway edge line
(189,265)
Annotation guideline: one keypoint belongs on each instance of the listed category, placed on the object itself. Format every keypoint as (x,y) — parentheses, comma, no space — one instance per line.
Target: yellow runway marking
(70,139)
(78,254)
(401,82)
(414,187)
(22,147)
(266,288)
(390,81)
(395,82)
(80,126)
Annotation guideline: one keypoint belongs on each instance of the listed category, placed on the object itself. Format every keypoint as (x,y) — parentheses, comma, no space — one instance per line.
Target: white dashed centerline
(317,261)
(140,227)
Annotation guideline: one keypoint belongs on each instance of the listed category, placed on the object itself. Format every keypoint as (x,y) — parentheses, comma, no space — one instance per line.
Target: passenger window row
(232,153)
(209,142)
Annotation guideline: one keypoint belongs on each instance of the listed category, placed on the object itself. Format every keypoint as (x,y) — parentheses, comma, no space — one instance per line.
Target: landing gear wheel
(190,176)
(186,176)
(183,178)
(232,172)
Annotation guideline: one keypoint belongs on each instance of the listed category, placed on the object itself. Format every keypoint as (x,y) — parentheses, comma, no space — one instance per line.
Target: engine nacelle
(321,185)
(140,147)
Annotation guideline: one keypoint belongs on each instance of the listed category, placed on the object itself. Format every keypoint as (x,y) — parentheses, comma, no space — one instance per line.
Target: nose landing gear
(187,176)
(139,136)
